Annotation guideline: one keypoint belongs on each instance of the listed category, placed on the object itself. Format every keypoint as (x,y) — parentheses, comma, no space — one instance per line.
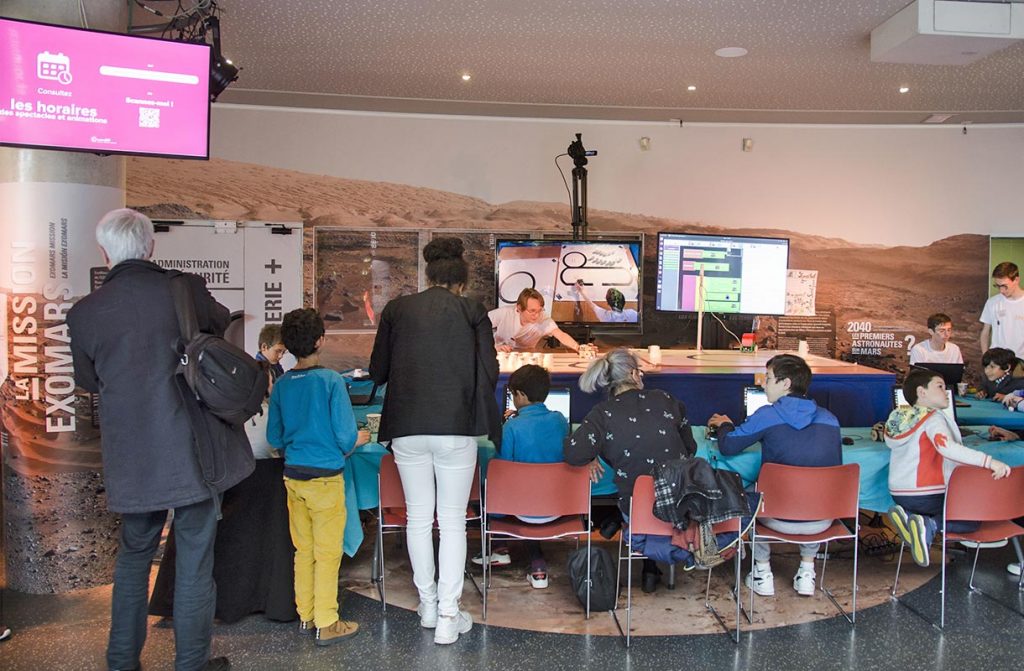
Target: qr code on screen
(149,117)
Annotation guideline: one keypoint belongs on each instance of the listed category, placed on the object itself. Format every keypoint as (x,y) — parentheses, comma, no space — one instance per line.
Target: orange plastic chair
(643,521)
(391,516)
(535,490)
(806,494)
(973,496)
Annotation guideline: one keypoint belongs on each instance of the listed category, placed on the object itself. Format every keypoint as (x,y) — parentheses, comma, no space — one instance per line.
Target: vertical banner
(273,277)
(59,533)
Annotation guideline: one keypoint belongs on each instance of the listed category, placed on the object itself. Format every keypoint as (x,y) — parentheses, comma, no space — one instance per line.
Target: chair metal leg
(974,566)
(487,569)
(590,579)
(828,593)
(671,576)
(942,608)
(899,563)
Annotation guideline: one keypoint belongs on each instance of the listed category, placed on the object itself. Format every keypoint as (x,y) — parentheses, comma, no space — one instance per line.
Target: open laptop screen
(558,400)
(950,409)
(754,398)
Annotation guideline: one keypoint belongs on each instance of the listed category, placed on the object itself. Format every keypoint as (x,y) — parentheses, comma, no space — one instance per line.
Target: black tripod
(579,187)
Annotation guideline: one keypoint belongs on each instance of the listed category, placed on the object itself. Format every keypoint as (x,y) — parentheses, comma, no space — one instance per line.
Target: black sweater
(634,432)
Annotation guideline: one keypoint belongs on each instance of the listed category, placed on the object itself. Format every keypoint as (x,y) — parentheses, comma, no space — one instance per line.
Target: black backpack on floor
(603,589)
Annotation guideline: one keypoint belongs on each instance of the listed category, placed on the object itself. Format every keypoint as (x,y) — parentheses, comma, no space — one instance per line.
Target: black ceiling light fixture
(222,70)
(199,23)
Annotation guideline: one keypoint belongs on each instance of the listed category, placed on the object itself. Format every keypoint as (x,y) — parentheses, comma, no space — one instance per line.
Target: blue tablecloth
(362,491)
(873,458)
(988,412)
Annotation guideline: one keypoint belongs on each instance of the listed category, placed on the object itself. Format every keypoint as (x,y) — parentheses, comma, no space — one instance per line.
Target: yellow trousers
(316,520)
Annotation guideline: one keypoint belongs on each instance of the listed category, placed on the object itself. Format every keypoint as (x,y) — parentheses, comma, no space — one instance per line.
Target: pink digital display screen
(65,88)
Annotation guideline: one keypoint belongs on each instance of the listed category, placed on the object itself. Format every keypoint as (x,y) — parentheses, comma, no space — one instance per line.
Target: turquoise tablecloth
(872,457)
(985,412)
(363,493)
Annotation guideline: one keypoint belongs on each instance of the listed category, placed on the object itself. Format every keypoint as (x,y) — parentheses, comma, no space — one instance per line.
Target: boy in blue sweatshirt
(533,435)
(311,420)
(793,431)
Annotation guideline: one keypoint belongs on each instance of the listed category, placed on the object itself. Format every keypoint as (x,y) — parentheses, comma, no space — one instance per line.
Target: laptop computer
(754,398)
(950,409)
(952,373)
(558,399)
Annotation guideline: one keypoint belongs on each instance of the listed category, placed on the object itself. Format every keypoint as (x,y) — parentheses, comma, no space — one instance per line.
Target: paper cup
(373,422)
(654,355)
(961,388)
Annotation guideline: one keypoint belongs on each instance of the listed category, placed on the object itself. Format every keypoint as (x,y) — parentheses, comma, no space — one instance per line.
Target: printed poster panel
(55,542)
(359,271)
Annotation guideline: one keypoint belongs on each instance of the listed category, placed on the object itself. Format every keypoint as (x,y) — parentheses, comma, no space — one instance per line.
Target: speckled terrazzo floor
(69,632)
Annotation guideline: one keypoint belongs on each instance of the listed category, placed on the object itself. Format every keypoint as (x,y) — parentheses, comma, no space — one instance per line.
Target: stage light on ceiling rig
(222,71)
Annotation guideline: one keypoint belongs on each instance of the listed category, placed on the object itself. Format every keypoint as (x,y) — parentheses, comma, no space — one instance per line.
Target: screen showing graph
(740,274)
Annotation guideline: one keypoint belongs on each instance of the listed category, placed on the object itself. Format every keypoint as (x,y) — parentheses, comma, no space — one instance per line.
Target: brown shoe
(337,631)
(307,627)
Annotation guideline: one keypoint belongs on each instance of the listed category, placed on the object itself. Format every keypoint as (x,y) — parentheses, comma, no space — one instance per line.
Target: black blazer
(122,338)
(435,351)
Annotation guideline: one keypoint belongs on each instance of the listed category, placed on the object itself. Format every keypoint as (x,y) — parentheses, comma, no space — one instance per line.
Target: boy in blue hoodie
(792,431)
(533,435)
(310,418)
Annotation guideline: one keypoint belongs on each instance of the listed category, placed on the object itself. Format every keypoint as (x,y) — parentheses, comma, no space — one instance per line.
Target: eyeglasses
(949,330)
(997,285)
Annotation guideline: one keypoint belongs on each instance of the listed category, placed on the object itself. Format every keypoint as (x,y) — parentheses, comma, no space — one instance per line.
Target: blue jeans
(195,528)
(930,508)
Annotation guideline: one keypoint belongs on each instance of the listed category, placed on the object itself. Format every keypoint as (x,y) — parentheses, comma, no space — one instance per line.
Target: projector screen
(592,282)
(741,274)
(82,90)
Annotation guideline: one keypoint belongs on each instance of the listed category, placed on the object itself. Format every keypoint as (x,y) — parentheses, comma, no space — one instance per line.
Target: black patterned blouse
(633,432)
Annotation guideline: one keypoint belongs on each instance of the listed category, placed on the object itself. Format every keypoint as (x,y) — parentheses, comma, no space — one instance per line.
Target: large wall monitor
(594,283)
(741,274)
(83,90)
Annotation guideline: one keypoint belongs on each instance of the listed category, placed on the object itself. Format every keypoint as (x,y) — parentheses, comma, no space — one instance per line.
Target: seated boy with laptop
(793,431)
(535,436)
(938,348)
(926,446)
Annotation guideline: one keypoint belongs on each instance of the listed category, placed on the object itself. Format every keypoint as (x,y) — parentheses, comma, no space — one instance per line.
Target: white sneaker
(762,581)
(538,580)
(993,544)
(449,628)
(803,581)
(428,614)
(1013,569)
(497,559)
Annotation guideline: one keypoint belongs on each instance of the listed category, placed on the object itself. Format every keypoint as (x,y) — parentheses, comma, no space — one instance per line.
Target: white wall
(886,185)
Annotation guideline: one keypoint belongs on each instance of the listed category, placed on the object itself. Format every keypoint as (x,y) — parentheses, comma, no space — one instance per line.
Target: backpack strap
(184,307)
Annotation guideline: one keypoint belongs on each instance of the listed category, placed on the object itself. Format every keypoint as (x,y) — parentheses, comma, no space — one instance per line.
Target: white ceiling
(611,59)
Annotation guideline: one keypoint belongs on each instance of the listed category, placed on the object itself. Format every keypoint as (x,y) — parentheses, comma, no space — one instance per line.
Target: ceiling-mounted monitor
(84,90)
(742,275)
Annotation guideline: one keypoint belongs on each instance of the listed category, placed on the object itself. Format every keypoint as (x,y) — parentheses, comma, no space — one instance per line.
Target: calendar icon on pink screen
(56,67)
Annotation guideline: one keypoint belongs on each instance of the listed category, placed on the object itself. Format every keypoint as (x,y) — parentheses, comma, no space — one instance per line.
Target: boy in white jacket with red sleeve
(926,447)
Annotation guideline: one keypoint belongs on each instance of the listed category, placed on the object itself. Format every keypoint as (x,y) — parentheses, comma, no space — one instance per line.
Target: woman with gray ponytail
(634,430)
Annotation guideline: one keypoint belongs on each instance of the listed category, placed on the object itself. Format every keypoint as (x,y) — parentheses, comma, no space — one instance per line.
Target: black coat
(122,338)
(435,351)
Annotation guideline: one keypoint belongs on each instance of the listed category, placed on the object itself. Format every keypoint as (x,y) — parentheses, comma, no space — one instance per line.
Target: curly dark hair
(445,265)
(534,381)
(300,329)
(1000,356)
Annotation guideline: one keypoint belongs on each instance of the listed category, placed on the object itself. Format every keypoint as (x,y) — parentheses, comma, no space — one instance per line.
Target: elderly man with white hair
(154,458)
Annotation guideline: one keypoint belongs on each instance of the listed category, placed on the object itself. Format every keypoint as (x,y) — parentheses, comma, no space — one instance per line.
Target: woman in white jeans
(435,351)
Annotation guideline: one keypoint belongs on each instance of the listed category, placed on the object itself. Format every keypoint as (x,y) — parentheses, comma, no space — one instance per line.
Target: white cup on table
(961,389)
(654,355)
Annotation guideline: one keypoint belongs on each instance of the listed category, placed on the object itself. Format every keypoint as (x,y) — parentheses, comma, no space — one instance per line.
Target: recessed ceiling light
(466,76)
(904,89)
(731,52)
(937,118)
(691,87)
